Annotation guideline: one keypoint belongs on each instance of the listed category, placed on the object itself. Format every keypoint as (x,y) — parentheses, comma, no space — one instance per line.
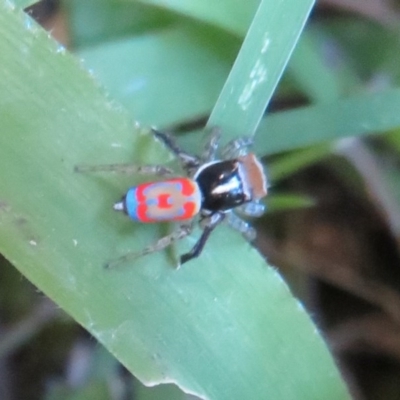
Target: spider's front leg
(211,146)
(252,209)
(238,224)
(187,160)
(178,234)
(236,148)
(208,224)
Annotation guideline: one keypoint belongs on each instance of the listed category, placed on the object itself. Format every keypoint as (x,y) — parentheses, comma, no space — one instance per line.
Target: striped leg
(211,147)
(178,234)
(251,209)
(187,160)
(236,148)
(160,170)
(248,232)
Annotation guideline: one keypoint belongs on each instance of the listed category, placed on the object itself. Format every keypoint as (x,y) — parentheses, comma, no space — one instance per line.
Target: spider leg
(178,234)
(235,222)
(187,160)
(208,224)
(236,147)
(125,169)
(252,209)
(211,147)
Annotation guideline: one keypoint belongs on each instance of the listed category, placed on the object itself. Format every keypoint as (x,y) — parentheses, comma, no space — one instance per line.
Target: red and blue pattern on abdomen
(170,200)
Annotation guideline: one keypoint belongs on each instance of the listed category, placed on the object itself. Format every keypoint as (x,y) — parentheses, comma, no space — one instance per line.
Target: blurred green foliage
(166,63)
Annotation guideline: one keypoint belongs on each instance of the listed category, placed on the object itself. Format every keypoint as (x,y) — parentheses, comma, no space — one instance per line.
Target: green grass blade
(135,71)
(354,116)
(232,16)
(259,66)
(92,22)
(288,201)
(224,326)
(311,72)
(161,392)
(294,161)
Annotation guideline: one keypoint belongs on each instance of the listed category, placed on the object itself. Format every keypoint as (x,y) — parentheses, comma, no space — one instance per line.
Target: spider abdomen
(169,200)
